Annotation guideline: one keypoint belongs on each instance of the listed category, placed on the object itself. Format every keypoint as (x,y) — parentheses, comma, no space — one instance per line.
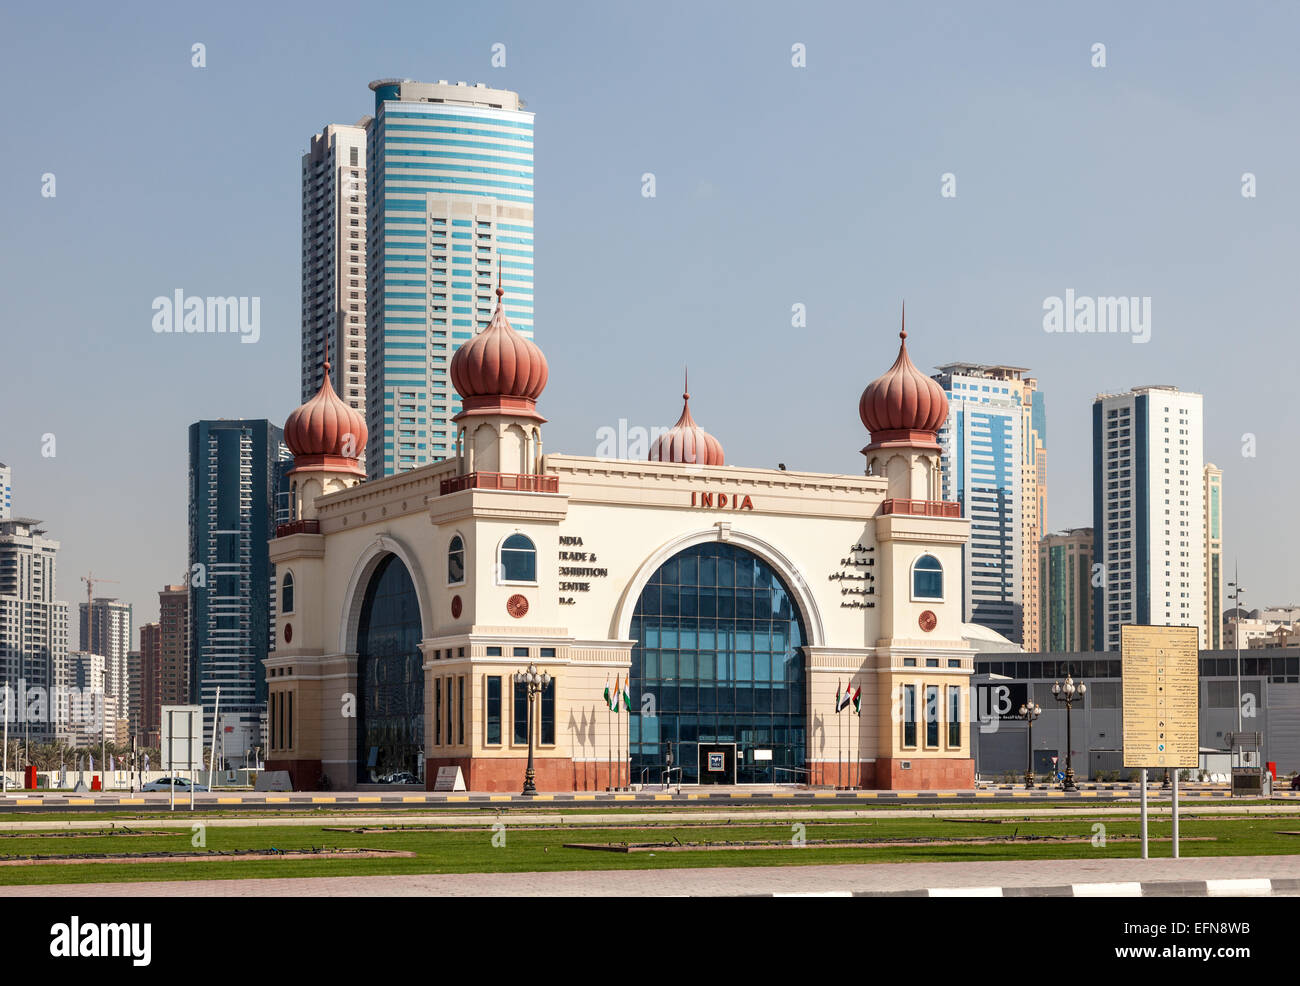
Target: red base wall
(303,773)
(841,774)
(506,774)
(925,775)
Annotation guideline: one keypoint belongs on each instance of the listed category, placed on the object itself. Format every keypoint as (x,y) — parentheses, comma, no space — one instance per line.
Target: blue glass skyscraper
(449,206)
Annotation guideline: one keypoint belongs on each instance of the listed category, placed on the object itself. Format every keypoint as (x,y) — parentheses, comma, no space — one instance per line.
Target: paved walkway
(720,881)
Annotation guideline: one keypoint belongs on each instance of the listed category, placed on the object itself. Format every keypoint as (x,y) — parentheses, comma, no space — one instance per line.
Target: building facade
(234,467)
(6,492)
(682,607)
(173,646)
(149,716)
(334,261)
(1214,575)
(984,448)
(33,624)
(1148,511)
(1065,580)
(450,209)
(106,630)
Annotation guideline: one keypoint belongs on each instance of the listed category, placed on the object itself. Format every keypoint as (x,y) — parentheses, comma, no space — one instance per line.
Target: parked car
(399,777)
(1295,782)
(179,784)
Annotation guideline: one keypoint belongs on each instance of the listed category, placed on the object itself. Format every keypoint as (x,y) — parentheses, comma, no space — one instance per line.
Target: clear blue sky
(775,185)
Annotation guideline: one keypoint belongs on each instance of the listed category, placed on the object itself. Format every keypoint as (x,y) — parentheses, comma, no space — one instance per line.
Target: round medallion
(927,620)
(288,632)
(456,607)
(517,606)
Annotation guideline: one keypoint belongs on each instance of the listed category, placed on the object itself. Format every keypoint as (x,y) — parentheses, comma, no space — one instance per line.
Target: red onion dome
(499,368)
(903,407)
(326,426)
(687,442)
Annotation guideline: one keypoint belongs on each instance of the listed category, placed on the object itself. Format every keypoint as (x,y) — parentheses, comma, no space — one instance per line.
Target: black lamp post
(1067,693)
(1029,712)
(535,682)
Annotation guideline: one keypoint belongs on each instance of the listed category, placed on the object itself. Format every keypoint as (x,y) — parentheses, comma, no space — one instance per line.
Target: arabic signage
(1161,718)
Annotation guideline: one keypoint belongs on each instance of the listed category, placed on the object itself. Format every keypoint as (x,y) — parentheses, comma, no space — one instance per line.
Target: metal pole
(1143,782)
(1236,576)
(216,721)
(5,783)
(1175,813)
(171,780)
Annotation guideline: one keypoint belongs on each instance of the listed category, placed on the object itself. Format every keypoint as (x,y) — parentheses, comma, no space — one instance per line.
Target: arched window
(456,561)
(286,593)
(518,559)
(927,578)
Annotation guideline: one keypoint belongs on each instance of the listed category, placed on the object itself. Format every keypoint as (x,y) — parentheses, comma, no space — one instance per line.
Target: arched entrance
(390,678)
(720,655)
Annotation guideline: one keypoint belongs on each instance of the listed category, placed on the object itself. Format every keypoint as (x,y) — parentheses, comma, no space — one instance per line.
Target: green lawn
(528,848)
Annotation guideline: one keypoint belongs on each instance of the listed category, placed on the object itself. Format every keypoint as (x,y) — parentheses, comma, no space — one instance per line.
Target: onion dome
(326,431)
(686,441)
(499,371)
(903,407)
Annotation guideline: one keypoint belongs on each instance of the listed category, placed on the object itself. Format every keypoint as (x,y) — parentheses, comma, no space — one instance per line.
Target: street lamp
(535,682)
(1235,596)
(1029,712)
(1067,693)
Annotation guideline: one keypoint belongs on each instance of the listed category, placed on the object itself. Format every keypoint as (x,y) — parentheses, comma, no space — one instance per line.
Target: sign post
(1161,714)
(182,745)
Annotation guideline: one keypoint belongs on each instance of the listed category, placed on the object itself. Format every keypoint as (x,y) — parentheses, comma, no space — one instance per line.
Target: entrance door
(717,763)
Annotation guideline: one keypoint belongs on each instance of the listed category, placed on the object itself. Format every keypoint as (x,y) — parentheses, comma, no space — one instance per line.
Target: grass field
(539,847)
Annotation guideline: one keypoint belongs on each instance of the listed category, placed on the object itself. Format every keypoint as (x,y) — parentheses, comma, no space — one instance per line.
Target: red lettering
(747,504)
(692,499)
(706,499)
(722,500)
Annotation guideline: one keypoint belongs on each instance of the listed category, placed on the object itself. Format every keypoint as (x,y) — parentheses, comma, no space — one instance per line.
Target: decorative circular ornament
(456,607)
(927,620)
(517,606)
(288,633)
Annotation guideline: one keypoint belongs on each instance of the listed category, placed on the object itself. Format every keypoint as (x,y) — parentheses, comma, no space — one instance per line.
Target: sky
(775,185)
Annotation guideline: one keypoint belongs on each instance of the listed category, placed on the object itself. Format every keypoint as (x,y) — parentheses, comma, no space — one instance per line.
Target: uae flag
(857,701)
(842,702)
(838,686)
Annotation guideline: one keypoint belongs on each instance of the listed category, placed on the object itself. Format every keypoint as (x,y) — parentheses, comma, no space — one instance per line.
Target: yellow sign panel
(1161,714)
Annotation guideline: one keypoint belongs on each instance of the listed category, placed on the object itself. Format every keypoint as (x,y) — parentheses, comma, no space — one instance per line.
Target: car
(179,784)
(1295,783)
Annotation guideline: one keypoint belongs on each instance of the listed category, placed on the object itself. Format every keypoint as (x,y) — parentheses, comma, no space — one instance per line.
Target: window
(460,710)
(909,715)
(931,715)
(456,561)
(286,594)
(521,712)
(927,578)
(493,710)
(518,559)
(548,714)
(954,715)
(437,712)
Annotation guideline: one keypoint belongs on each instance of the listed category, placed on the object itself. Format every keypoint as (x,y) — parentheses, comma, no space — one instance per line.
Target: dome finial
(500,290)
(327,356)
(686,385)
(903,332)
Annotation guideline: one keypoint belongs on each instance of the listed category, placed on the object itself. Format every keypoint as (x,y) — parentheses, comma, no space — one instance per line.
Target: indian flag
(614,703)
(609,702)
(627,699)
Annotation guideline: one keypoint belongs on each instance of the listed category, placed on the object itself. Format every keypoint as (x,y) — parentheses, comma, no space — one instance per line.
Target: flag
(627,699)
(609,702)
(838,683)
(91,757)
(111,762)
(614,704)
(857,701)
(843,703)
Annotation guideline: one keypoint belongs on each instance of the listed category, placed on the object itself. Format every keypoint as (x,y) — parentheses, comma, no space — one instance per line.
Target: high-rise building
(149,718)
(91,717)
(450,209)
(173,646)
(1065,591)
(6,492)
(233,475)
(1148,508)
(1033,503)
(1213,492)
(33,624)
(106,630)
(135,686)
(983,470)
(334,262)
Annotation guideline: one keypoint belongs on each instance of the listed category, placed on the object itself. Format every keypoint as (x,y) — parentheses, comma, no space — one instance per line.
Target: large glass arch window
(286,593)
(927,578)
(518,559)
(390,678)
(720,654)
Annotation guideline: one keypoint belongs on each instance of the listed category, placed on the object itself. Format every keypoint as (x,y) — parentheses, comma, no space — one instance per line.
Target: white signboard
(449,779)
(182,737)
(762,754)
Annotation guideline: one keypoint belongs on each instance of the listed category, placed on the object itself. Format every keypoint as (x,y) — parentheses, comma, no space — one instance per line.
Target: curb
(1260,887)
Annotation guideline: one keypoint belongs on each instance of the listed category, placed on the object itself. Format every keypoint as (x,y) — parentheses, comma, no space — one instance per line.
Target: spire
(903,332)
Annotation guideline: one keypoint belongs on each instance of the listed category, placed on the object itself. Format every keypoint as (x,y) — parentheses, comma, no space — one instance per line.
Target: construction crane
(91,582)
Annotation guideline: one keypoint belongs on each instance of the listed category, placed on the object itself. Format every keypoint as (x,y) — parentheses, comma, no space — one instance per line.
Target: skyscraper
(449,208)
(149,713)
(1065,593)
(233,475)
(983,469)
(1213,489)
(33,624)
(334,262)
(1148,507)
(6,492)
(173,646)
(106,630)
(1033,502)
